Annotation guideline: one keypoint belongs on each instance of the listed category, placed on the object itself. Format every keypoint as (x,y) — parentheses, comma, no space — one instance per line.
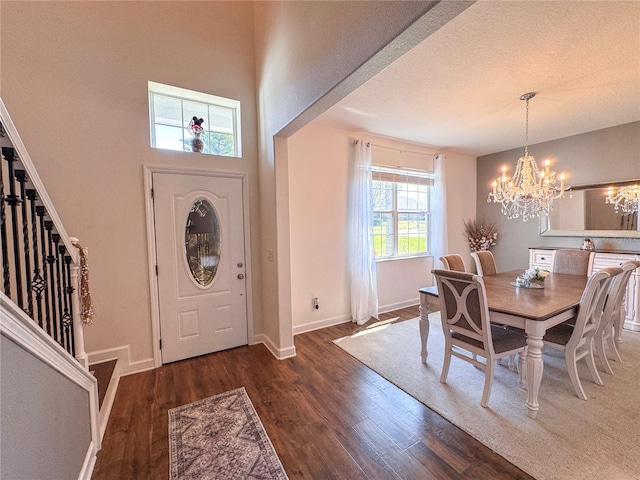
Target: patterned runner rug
(221,437)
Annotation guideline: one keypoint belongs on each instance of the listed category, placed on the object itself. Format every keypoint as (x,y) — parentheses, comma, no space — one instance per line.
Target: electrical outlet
(270,254)
(316,303)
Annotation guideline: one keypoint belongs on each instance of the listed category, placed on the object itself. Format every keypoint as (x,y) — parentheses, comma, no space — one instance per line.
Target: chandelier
(625,198)
(530,191)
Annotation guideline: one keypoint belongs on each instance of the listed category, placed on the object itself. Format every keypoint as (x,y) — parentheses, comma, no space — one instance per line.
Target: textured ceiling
(460,88)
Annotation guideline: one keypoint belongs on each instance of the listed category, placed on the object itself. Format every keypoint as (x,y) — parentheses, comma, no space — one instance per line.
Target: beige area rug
(571,438)
(221,437)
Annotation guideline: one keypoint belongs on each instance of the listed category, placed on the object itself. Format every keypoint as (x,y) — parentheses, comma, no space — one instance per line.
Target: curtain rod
(398,149)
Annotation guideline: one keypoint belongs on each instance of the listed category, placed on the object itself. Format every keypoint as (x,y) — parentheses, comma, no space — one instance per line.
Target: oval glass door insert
(202,241)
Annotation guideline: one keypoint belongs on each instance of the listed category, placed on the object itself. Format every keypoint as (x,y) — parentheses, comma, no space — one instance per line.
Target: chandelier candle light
(530,191)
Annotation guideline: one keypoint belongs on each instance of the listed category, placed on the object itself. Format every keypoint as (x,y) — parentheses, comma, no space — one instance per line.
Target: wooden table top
(561,292)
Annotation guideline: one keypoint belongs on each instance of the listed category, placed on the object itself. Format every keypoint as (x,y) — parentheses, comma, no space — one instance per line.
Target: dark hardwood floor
(328,416)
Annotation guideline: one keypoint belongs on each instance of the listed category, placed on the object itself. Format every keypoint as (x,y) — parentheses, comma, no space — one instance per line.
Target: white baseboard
(399,305)
(123,355)
(329,322)
(317,325)
(279,353)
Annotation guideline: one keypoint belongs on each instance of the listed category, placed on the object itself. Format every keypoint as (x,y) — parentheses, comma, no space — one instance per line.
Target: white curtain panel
(439,211)
(360,254)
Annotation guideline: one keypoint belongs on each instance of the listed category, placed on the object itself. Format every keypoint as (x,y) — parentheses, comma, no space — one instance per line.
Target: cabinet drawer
(605,260)
(542,258)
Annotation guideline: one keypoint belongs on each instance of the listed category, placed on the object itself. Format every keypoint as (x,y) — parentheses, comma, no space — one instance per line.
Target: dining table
(534,310)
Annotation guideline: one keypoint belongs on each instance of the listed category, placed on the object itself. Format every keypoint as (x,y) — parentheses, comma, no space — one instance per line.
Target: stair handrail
(69,243)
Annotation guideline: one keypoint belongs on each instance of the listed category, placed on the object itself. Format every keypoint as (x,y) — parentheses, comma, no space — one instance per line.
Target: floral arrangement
(481,235)
(536,275)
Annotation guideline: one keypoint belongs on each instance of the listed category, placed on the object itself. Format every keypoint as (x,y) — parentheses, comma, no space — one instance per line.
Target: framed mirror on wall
(586,213)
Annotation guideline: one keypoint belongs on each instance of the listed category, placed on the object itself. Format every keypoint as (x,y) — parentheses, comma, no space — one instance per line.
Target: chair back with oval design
(466,325)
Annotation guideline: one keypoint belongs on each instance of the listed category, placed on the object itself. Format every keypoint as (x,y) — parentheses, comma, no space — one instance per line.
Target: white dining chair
(453,262)
(576,341)
(485,263)
(571,261)
(612,315)
(467,327)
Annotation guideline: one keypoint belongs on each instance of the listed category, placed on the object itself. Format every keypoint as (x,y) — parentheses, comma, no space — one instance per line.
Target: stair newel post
(21,176)
(78,332)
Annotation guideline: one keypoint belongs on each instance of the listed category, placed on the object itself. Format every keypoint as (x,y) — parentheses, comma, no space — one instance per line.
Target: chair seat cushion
(560,334)
(504,340)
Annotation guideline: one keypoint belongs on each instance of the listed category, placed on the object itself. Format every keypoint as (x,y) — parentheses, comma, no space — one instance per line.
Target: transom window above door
(171,114)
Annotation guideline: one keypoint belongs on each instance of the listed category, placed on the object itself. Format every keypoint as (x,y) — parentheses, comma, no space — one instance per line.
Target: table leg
(619,323)
(535,367)
(424,330)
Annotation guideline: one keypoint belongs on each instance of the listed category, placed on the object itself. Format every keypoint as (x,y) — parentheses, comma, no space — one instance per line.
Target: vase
(197,144)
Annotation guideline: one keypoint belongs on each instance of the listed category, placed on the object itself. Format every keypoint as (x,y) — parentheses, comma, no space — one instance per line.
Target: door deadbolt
(241,276)
(240,265)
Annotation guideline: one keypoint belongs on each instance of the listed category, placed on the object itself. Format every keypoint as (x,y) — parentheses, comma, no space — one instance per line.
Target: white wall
(309,55)
(45,417)
(74,79)
(318,172)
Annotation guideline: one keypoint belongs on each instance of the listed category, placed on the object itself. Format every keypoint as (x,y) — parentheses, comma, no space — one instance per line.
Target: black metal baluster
(13,200)
(21,176)
(40,212)
(69,321)
(37,283)
(57,252)
(51,259)
(3,235)
(65,319)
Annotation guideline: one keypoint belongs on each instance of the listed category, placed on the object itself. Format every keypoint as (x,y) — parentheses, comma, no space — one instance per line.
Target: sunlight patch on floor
(374,327)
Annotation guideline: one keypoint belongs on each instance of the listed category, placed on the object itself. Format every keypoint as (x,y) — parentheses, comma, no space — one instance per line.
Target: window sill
(408,257)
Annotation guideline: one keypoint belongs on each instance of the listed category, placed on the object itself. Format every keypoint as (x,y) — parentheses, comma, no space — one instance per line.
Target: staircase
(48,396)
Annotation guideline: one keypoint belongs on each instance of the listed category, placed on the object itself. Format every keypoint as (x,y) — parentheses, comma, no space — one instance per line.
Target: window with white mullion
(401,212)
(171,110)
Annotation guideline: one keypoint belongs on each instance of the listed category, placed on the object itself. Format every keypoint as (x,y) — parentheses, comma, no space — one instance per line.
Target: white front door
(199,237)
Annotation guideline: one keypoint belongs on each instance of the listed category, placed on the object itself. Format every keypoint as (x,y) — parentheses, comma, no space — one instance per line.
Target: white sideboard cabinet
(542,257)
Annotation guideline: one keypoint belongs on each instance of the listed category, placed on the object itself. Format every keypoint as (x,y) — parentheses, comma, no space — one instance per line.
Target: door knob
(241,276)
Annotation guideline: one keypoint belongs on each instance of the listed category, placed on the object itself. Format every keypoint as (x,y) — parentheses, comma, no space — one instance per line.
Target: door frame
(148,171)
